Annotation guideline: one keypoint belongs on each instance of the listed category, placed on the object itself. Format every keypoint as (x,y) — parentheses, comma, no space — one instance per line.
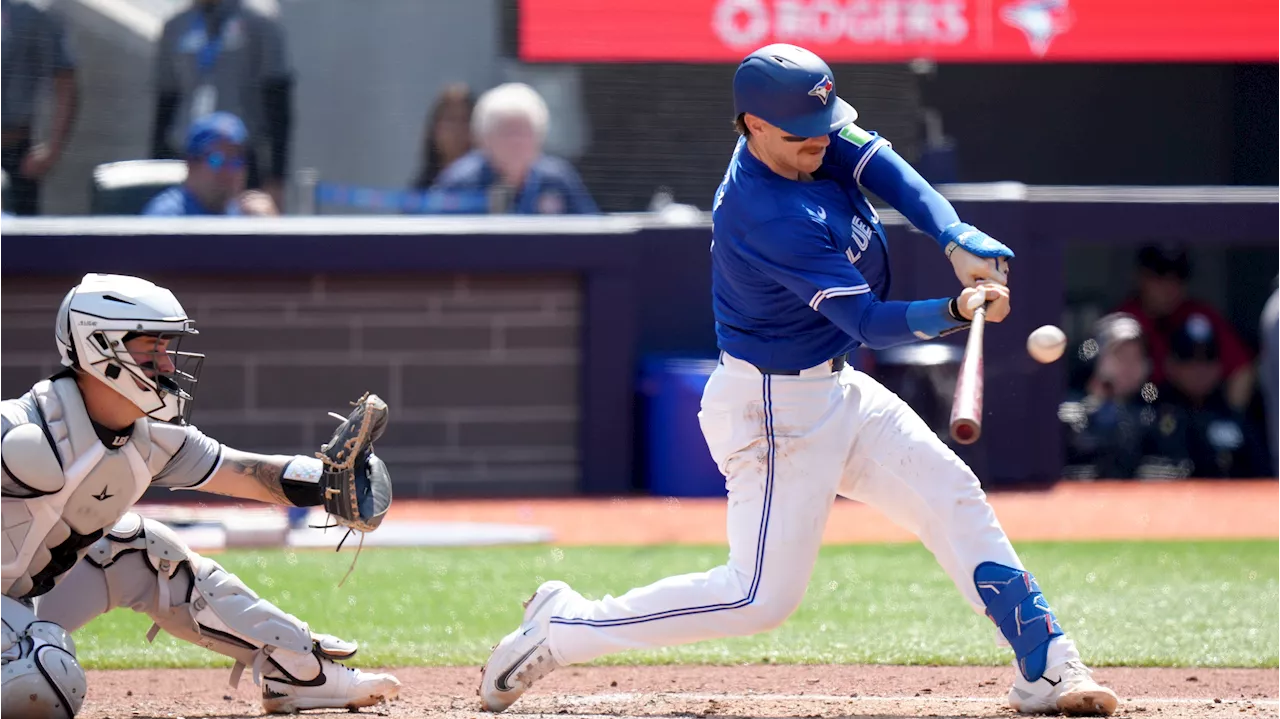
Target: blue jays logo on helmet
(823,89)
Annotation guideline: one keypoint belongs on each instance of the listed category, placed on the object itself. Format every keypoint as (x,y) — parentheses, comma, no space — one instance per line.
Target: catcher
(80,449)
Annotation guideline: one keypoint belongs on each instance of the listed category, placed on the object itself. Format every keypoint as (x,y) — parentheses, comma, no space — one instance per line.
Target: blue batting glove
(972,240)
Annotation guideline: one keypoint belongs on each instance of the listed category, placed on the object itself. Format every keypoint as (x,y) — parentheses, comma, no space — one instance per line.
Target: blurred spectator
(1194,417)
(1269,368)
(447,136)
(509,126)
(216,151)
(34,52)
(1162,307)
(1108,424)
(219,55)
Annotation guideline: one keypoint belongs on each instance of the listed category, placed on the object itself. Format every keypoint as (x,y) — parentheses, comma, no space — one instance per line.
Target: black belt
(836,364)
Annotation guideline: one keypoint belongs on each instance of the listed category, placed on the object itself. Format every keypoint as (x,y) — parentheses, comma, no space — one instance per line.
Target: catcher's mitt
(355,483)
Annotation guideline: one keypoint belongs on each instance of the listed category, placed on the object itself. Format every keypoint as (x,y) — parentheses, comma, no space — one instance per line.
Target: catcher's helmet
(792,88)
(102,313)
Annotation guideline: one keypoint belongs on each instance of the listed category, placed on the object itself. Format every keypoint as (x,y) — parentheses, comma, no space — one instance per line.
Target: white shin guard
(201,602)
(222,606)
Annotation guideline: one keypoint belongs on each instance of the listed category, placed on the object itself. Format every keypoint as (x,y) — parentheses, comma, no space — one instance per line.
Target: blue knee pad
(1015,604)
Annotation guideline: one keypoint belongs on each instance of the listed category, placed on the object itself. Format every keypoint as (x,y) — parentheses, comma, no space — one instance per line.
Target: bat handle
(966,410)
(980,314)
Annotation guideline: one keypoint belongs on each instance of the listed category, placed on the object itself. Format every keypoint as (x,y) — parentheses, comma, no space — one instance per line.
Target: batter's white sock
(1061,651)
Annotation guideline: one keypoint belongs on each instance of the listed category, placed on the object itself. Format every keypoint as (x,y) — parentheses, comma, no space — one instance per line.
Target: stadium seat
(124,188)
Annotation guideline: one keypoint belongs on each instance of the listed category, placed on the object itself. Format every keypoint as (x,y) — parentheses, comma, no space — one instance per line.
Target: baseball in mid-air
(1046,344)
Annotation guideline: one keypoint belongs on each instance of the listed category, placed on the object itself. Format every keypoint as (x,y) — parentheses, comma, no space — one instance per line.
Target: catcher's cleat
(1068,688)
(336,687)
(522,657)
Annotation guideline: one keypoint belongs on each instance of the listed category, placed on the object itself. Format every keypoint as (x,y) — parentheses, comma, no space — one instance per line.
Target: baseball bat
(966,406)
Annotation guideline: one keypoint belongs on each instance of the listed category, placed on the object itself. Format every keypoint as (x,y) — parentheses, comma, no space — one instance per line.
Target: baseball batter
(79,449)
(799,264)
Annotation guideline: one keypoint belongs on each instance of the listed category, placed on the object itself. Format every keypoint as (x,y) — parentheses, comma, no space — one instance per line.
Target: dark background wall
(1096,124)
(1053,124)
(481,371)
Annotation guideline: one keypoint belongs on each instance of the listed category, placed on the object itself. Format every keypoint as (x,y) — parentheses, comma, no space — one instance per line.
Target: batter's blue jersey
(793,261)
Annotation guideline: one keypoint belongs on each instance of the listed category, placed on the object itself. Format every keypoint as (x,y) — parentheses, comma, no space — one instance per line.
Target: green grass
(1148,604)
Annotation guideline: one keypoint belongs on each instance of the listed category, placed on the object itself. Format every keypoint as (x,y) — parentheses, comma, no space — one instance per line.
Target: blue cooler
(678,463)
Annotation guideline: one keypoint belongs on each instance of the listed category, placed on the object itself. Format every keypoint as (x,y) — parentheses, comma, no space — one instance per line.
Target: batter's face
(786,154)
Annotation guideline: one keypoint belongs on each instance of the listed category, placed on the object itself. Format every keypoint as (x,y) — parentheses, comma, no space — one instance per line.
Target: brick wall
(480,372)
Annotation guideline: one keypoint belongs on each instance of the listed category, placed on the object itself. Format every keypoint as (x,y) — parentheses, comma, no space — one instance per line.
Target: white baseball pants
(787,446)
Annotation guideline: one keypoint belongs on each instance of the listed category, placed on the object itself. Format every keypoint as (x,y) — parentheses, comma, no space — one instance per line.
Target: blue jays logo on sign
(823,89)
(1040,20)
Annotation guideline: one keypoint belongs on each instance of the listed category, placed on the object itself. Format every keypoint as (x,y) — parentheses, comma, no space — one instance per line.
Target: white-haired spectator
(509,125)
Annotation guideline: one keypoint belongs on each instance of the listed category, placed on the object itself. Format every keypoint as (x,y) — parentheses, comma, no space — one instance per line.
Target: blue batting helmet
(791,88)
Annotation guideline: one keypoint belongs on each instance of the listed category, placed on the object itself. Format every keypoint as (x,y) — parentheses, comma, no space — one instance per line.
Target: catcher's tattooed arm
(271,478)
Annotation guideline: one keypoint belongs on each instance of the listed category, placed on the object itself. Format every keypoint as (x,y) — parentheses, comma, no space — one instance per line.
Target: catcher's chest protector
(63,488)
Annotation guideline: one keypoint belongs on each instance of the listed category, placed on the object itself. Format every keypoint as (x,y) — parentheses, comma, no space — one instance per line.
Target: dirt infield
(685,691)
(1205,510)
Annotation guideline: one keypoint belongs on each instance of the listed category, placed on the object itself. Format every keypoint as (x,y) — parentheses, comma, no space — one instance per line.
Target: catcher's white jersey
(66,481)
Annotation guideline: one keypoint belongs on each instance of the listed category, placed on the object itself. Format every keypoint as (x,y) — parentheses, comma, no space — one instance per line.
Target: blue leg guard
(1015,604)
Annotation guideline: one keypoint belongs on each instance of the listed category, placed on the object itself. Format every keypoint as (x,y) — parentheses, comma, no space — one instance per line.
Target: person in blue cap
(799,267)
(216,174)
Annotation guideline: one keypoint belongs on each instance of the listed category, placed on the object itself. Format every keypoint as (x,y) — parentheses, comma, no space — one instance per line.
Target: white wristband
(304,469)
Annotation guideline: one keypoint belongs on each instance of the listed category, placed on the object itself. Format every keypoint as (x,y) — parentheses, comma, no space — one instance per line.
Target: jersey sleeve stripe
(837,292)
(208,475)
(867,154)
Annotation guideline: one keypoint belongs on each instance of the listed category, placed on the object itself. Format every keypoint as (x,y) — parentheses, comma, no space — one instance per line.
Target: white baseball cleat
(1073,691)
(522,657)
(343,688)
